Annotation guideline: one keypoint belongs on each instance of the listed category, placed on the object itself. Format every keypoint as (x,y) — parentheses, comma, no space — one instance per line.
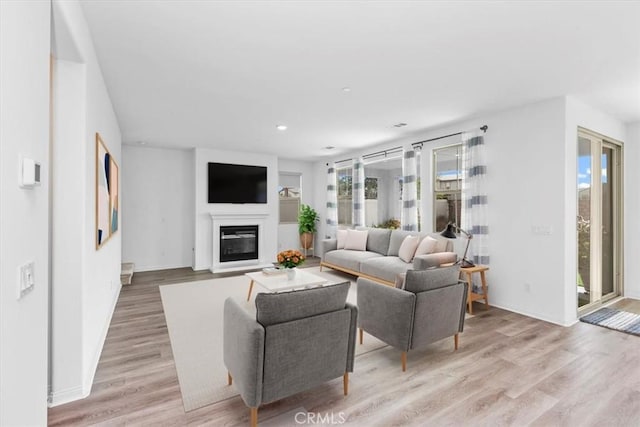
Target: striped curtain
(474,196)
(332,203)
(358,193)
(409,192)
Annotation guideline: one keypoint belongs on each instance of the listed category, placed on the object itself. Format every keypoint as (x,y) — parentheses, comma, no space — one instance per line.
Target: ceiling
(223,74)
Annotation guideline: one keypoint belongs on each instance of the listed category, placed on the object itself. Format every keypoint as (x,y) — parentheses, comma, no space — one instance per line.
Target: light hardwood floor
(509,370)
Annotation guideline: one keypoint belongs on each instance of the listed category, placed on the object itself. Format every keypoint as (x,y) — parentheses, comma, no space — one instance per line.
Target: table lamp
(450,233)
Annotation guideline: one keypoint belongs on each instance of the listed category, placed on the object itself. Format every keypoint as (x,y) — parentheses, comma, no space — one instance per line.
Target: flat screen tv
(237,183)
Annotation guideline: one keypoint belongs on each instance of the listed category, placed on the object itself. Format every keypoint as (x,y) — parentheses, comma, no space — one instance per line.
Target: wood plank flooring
(509,370)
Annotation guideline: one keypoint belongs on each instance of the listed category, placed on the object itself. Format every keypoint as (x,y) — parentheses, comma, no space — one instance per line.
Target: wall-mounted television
(230,183)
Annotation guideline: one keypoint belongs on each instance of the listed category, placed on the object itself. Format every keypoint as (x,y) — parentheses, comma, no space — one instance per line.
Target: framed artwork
(107,197)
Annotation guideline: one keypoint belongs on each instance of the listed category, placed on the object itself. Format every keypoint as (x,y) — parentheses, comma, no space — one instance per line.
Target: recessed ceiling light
(346,89)
(281,127)
(142,142)
(399,125)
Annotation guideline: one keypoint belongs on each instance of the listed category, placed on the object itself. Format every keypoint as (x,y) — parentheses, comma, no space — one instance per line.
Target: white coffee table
(280,282)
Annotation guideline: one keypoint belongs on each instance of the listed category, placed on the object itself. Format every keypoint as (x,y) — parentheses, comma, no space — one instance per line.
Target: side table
(472,296)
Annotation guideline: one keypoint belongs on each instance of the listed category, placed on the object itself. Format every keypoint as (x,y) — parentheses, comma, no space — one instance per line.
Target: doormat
(617,320)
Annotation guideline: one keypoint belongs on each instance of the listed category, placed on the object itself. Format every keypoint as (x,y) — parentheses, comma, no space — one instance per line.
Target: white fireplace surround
(238,219)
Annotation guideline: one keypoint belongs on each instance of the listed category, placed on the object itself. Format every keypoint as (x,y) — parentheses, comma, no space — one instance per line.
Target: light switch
(26,279)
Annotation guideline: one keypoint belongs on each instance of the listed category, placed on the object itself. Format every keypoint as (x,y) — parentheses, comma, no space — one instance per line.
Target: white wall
(24,131)
(288,235)
(632,210)
(203,210)
(69,151)
(158,221)
(531,159)
(90,291)
(526,160)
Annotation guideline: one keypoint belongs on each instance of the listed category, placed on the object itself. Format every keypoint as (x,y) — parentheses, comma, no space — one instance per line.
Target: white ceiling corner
(223,74)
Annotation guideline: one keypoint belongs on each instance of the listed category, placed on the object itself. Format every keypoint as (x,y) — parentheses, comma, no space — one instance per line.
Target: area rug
(617,320)
(194,314)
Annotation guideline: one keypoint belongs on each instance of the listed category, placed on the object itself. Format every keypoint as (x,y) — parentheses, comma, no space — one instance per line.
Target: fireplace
(238,243)
(239,236)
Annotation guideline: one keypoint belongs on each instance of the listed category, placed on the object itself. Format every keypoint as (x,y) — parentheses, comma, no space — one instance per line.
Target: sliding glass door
(599,219)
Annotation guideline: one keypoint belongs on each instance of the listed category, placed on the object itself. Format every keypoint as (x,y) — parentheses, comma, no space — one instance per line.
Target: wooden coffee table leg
(250,289)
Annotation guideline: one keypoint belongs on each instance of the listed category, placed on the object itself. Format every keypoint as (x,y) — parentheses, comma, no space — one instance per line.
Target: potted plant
(307,219)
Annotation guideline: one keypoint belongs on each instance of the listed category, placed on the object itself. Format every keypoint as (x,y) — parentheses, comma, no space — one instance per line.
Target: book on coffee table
(270,271)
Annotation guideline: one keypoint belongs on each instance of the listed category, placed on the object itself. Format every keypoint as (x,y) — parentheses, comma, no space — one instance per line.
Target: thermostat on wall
(30,173)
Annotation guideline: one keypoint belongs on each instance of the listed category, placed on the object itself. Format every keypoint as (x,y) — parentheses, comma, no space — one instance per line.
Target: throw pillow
(408,248)
(341,235)
(356,240)
(427,246)
(442,244)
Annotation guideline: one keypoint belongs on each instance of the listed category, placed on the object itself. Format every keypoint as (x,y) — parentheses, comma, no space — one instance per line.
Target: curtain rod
(377,153)
(385,152)
(483,128)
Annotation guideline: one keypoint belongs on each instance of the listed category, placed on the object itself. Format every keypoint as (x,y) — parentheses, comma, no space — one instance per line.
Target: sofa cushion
(356,240)
(396,239)
(434,278)
(349,259)
(443,245)
(385,268)
(408,248)
(377,239)
(426,246)
(272,308)
(341,237)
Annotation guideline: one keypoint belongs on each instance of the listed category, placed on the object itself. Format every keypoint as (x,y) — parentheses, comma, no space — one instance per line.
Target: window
(289,190)
(447,186)
(345,195)
(382,192)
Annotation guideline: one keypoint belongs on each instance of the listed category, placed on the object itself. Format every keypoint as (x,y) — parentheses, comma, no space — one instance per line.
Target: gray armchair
(429,308)
(297,341)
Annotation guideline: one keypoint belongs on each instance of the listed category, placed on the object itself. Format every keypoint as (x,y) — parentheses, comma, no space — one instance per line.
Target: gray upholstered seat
(297,341)
(385,268)
(429,308)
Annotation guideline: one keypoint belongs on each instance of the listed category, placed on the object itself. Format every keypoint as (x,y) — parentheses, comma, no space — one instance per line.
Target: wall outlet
(26,280)
(527,287)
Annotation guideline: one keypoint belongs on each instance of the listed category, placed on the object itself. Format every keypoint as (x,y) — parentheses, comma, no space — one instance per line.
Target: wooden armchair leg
(254,417)
(361,336)
(229,379)
(403,358)
(455,341)
(345,383)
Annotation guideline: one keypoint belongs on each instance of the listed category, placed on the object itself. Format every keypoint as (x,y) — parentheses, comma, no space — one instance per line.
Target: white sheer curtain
(358,192)
(409,192)
(474,195)
(332,202)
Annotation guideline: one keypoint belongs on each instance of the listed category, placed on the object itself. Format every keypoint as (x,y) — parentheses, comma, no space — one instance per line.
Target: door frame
(601,141)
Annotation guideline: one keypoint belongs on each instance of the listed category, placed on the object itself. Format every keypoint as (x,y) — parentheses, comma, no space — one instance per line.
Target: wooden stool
(472,296)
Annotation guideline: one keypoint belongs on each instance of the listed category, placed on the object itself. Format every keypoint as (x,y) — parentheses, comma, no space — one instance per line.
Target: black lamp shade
(449,232)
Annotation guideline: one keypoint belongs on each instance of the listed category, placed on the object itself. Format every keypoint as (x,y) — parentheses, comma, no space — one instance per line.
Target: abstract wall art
(107,197)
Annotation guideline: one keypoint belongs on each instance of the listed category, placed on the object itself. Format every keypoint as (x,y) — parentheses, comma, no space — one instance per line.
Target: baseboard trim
(536,316)
(160,267)
(93,365)
(67,396)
